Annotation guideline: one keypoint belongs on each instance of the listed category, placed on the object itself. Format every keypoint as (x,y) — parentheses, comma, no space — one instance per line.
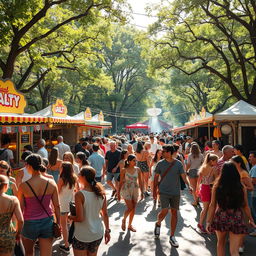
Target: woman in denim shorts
(37,224)
(90,201)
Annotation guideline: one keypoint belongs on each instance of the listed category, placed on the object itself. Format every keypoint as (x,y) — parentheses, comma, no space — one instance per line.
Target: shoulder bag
(166,171)
(56,228)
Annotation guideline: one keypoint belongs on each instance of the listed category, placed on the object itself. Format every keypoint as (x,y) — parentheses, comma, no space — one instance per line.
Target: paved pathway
(142,243)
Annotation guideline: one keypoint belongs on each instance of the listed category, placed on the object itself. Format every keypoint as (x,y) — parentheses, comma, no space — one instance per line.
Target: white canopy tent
(239,111)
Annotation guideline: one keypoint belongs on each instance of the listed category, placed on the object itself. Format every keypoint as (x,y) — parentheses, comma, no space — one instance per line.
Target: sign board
(101,116)
(88,114)
(25,139)
(59,109)
(11,101)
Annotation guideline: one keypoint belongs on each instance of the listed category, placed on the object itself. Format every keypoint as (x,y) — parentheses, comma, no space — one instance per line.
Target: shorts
(143,165)
(34,229)
(168,201)
(88,246)
(193,173)
(111,176)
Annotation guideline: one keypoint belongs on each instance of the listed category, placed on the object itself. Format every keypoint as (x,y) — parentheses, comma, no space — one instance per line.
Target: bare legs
(145,176)
(130,211)
(203,212)
(64,227)
(85,252)
(174,218)
(193,183)
(234,242)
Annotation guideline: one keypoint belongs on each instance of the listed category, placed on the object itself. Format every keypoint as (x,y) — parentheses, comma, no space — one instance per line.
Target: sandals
(123,226)
(131,228)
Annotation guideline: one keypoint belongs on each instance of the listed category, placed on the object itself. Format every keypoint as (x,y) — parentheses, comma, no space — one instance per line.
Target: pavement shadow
(122,246)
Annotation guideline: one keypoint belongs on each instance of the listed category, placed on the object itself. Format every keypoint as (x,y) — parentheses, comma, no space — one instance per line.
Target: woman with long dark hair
(36,196)
(54,164)
(225,214)
(90,203)
(155,160)
(81,159)
(66,186)
(130,182)
(194,162)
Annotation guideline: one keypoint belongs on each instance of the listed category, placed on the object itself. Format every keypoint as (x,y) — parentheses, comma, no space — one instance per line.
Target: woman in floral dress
(130,182)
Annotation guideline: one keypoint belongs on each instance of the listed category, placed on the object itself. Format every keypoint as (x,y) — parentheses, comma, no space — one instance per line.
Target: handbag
(56,227)
(72,209)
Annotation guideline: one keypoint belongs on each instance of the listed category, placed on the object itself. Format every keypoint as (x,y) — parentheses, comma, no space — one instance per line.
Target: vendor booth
(238,124)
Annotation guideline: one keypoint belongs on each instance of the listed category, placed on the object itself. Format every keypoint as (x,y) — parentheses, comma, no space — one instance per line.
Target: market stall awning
(239,111)
(183,128)
(137,126)
(21,118)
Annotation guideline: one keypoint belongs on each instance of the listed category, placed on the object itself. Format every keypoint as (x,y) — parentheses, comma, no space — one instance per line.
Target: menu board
(25,139)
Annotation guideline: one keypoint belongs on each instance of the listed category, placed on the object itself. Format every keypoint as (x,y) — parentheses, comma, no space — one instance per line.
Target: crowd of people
(39,199)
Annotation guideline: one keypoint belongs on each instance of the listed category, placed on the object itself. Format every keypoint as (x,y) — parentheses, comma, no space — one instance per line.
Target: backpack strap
(167,170)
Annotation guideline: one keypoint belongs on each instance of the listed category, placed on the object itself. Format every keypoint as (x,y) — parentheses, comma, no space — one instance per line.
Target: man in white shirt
(62,147)
(41,148)
(154,145)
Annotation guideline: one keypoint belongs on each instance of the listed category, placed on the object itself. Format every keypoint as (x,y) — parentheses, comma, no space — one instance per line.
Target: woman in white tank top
(66,186)
(90,202)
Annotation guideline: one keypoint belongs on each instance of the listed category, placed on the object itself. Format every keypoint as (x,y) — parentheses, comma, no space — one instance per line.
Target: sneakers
(113,193)
(253,233)
(173,242)
(64,249)
(202,229)
(241,250)
(157,231)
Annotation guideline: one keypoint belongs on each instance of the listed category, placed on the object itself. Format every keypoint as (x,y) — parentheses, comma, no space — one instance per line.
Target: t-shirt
(170,184)
(195,163)
(97,162)
(113,159)
(43,152)
(6,154)
(253,175)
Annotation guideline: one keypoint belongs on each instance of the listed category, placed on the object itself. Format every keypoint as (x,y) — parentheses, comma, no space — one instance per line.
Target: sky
(138,6)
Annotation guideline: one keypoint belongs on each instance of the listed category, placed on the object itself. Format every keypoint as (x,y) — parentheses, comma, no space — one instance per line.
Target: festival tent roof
(137,126)
(21,118)
(239,111)
(164,125)
(47,112)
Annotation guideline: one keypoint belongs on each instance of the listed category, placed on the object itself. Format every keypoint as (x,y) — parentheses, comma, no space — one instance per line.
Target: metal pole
(116,124)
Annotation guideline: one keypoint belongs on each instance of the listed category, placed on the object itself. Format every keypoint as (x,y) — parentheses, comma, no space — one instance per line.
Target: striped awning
(22,119)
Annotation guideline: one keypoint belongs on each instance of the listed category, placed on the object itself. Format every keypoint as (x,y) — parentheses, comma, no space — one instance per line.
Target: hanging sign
(59,109)
(101,116)
(88,114)
(11,101)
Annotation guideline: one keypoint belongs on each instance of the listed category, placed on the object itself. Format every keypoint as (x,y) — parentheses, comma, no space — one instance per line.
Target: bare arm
(140,183)
(60,184)
(21,197)
(212,209)
(14,189)
(156,178)
(19,218)
(19,177)
(247,209)
(55,201)
(247,183)
(122,175)
(104,214)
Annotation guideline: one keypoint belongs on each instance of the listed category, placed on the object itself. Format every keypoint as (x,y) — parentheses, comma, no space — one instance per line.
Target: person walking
(36,197)
(203,188)
(62,147)
(10,206)
(170,170)
(194,162)
(66,187)
(81,160)
(41,148)
(112,158)
(54,164)
(130,182)
(90,202)
(143,162)
(69,157)
(97,161)
(226,212)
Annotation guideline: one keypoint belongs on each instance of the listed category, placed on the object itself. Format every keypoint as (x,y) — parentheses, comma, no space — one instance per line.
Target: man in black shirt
(112,158)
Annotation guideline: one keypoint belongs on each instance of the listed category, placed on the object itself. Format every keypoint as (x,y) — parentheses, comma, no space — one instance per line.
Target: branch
(25,47)
(2,65)
(37,82)
(25,76)
(220,106)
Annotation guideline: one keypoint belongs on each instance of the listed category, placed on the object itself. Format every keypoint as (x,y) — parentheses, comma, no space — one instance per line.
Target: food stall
(18,126)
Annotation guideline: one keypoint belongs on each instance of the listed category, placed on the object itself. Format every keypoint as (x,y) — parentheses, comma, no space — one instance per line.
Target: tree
(28,24)
(213,36)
